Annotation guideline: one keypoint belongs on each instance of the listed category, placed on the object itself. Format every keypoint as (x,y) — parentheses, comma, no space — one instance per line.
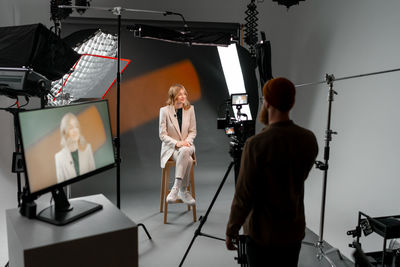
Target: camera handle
(239,113)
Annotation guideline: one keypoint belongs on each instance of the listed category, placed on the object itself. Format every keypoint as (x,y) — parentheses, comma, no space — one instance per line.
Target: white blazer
(170,133)
(65,164)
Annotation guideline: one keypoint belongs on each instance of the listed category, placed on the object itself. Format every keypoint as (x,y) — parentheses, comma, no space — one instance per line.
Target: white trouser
(184,162)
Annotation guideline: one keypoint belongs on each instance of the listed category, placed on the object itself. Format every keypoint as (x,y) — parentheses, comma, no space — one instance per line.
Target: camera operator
(269,195)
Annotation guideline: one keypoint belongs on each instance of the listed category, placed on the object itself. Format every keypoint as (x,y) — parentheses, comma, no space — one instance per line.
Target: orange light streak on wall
(142,97)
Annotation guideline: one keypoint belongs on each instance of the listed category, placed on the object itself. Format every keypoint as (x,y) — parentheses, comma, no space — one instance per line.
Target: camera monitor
(61,146)
(239,99)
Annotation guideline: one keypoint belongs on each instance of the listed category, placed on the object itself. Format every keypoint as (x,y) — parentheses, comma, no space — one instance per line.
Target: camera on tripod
(237,129)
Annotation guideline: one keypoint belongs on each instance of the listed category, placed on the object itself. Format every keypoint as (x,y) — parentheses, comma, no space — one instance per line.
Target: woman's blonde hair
(173,93)
(64,131)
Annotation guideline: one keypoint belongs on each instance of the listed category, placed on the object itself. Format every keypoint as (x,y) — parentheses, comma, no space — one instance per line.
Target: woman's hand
(182,143)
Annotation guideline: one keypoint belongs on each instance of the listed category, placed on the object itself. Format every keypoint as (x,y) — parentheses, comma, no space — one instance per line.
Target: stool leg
(188,188)
(162,189)
(193,191)
(166,189)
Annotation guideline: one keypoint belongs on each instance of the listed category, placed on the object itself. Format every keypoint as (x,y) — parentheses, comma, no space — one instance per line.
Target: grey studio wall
(317,37)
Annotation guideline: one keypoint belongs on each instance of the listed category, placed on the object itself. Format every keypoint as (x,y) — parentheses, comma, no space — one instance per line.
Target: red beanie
(280,93)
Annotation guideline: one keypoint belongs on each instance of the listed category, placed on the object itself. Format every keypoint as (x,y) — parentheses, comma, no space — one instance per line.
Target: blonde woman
(177,131)
(76,156)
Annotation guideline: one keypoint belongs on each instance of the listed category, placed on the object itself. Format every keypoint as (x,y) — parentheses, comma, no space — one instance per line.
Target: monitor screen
(63,145)
(239,99)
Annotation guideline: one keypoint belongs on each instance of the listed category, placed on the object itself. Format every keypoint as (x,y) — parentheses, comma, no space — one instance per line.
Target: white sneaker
(173,195)
(187,197)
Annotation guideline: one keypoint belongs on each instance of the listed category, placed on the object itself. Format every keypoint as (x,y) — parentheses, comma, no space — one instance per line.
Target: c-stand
(324,167)
(117,11)
(329,79)
(16,166)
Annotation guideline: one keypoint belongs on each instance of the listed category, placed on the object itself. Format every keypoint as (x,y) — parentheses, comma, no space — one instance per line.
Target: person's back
(283,155)
(269,196)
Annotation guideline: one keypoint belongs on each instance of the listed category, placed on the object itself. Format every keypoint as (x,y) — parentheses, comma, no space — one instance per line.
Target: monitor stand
(64,211)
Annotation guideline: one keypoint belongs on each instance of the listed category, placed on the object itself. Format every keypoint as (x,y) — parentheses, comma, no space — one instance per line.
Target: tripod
(203,219)
(235,150)
(236,153)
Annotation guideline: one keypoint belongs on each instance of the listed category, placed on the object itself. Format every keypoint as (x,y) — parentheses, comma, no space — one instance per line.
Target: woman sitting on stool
(177,131)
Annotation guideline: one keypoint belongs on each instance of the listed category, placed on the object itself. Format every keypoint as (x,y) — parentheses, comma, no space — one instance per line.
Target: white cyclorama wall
(345,38)
(338,37)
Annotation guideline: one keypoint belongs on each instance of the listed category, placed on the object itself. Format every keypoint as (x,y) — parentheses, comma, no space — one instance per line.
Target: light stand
(27,208)
(324,167)
(16,160)
(329,79)
(118,12)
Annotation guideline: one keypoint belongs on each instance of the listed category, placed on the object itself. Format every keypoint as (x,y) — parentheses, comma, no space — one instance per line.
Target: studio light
(92,75)
(233,74)
(35,46)
(57,13)
(84,3)
(288,3)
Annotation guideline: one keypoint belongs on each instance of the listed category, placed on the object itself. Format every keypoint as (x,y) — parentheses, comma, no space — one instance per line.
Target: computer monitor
(61,146)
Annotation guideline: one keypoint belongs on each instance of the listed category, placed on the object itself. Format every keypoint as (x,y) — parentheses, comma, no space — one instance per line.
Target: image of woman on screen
(177,130)
(76,156)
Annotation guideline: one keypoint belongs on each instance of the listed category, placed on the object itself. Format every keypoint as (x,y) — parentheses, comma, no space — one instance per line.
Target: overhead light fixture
(195,36)
(57,13)
(288,3)
(83,3)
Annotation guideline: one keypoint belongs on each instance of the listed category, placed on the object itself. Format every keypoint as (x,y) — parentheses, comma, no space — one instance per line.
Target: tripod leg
(308,243)
(187,250)
(204,218)
(332,250)
(321,254)
(145,229)
(328,260)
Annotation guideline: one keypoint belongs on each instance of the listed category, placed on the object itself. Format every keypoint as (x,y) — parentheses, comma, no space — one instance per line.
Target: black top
(75,157)
(179,116)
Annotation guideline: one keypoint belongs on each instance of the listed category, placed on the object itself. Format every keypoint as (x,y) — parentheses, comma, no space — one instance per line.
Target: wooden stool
(165,175)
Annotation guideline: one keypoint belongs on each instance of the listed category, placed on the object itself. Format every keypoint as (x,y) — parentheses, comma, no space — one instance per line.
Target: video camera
(237,129)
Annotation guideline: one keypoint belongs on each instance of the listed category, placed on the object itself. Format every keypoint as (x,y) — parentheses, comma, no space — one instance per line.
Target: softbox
(34,46)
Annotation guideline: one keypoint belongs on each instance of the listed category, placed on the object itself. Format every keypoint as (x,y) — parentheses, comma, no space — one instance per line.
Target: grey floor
(170,241)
